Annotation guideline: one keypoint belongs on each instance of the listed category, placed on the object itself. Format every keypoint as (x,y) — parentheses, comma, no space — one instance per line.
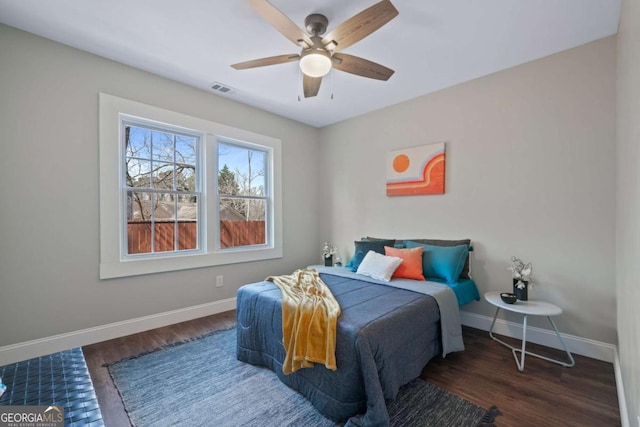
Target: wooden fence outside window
(232,234)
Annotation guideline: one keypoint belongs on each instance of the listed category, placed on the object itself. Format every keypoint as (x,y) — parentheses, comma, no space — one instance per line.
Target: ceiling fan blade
(272,60)
(361,25)
(361,67)
(280,22)
(310,85)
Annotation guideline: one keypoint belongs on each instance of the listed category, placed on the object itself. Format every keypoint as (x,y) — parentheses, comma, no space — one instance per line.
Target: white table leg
(495,316)
(523,350)
(572,362)
(513,349)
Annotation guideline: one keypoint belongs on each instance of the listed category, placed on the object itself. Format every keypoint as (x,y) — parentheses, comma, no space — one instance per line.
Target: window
(180,192)
(243,197)
(161,189)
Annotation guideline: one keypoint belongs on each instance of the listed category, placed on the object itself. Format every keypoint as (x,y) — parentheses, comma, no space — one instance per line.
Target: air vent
(222,89)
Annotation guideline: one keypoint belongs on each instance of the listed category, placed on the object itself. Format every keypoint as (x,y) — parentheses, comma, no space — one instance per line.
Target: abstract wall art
(417,170)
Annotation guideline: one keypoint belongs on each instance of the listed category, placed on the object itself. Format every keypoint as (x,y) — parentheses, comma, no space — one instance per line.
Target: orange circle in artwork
(401,163)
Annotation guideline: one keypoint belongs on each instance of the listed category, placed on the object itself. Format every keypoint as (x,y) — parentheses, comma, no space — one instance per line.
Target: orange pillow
(411,267)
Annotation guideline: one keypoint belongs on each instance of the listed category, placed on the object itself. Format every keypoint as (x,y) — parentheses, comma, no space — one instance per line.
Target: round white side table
(527,308)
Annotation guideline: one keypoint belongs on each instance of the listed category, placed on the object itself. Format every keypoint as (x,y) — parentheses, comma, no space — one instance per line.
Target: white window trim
(112,263)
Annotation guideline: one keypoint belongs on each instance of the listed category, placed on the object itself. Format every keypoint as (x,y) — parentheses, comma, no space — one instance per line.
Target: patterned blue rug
(201,383)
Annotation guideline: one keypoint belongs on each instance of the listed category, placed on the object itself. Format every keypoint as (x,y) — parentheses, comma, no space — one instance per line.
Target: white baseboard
(40,347)
(583,346)
(622,401)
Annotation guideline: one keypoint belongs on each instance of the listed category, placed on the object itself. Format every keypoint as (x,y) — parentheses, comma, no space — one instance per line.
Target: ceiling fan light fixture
(320,54)
(315,63)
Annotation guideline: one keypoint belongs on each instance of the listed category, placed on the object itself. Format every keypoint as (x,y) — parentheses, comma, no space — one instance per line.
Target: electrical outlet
(219,281)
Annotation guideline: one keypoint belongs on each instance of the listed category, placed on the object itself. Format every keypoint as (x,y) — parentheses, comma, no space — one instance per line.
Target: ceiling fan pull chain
(332,84)
(299,83)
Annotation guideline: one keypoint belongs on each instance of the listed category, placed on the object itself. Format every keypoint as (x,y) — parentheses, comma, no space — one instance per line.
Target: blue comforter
(385,337)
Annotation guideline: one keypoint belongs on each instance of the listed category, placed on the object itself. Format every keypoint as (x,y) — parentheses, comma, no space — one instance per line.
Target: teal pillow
(466,273)
(361,249)
(442,262)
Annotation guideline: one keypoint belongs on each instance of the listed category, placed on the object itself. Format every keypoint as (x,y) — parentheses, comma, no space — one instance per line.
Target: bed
(386,334)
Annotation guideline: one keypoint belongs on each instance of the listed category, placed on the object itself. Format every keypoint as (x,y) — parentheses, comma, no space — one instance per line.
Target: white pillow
(378,266)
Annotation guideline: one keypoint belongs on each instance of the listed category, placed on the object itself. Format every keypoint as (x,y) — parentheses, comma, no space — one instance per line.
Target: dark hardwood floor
(545,394)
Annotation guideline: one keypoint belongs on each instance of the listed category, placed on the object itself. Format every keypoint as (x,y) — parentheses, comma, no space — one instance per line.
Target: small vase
(521,294)
(328,261)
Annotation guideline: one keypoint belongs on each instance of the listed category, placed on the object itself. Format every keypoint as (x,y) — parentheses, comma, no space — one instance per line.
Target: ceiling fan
(320,54)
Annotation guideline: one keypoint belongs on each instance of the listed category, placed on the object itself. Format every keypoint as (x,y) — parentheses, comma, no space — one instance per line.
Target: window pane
(138,222)
(242,222)
(138,173)
(162,176)
(187,222)
(138,142)
(138,206)
(241,170)
(164,207)
(162,146)
(139,237)
(227,184)
(255,209)
(165,222)
(185,150)
(185,178)
(254,179)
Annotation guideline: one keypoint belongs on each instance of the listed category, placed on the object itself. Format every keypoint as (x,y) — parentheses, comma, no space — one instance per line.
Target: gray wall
(628,220)
(530,172)
(49,234)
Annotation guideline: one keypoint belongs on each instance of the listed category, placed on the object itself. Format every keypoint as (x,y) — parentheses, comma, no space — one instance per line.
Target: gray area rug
(201,383)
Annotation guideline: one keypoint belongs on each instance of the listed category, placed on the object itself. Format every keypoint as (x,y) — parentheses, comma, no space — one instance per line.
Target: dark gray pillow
(398,244)
(362,247)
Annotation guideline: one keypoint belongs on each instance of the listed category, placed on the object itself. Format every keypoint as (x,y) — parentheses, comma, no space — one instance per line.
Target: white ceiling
(431,44)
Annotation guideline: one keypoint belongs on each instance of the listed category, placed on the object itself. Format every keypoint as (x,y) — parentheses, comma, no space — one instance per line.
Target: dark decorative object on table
(521,274)
(328,250)
(520,289)
(508,298)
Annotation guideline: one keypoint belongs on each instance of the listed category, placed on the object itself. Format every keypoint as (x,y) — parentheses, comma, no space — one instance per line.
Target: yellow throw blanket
(309,316)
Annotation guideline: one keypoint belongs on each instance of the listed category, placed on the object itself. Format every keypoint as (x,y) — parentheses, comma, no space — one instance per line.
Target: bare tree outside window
(247,179)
